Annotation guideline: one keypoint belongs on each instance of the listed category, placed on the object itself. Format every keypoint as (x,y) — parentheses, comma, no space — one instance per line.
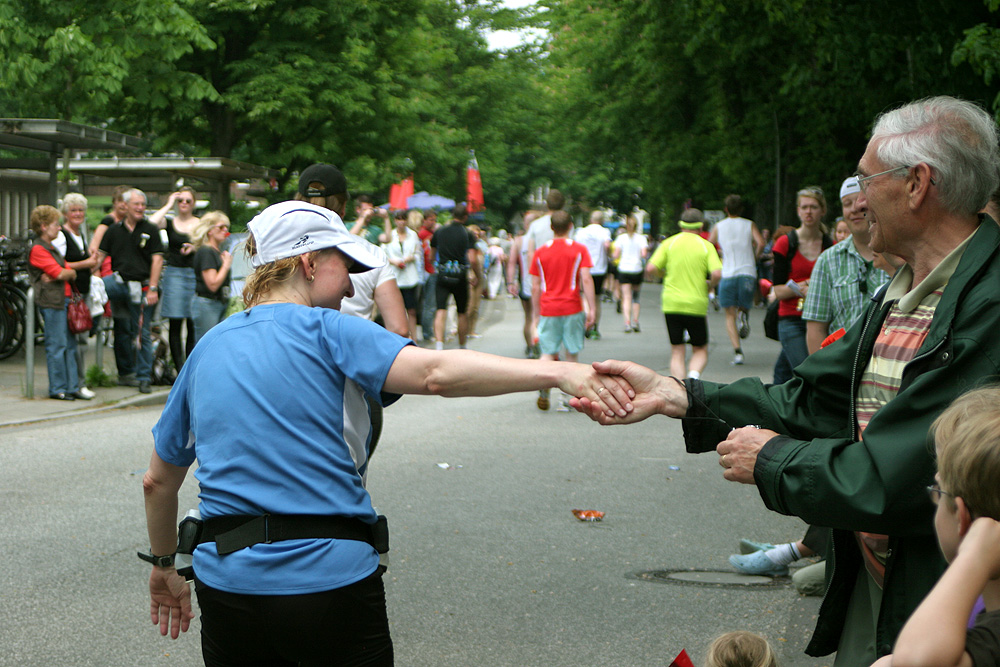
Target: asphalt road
(487,566)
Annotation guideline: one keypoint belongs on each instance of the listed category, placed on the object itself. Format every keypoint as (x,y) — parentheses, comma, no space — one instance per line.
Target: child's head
(741,649)
(967,439)
(561,223)
(842,231)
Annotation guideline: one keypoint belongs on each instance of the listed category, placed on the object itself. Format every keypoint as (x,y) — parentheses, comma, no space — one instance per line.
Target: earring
(311,278)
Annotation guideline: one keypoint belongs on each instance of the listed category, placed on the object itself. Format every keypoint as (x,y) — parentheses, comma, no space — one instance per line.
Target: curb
(155,398)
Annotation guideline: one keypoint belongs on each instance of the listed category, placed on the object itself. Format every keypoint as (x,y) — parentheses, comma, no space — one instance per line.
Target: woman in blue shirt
(304,585)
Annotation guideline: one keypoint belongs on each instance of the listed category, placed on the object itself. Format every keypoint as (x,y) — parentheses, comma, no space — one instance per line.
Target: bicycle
(14,283)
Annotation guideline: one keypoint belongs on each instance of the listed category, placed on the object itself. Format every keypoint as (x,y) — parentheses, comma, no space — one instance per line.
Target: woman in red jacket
(49,278)
(792,271)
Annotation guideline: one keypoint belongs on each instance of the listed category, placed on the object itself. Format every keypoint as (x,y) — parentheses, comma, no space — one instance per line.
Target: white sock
(783,554)
(438,345)
(694,375)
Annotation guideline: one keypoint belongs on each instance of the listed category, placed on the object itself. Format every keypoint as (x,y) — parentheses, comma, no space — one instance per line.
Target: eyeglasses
(935,492)
(225,227)
(863,180)
(186,201)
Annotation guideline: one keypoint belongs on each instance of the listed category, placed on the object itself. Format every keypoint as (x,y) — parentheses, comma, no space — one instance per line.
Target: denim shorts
(737,292)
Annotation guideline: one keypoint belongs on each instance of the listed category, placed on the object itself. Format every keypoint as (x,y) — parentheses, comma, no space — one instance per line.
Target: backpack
(771,315)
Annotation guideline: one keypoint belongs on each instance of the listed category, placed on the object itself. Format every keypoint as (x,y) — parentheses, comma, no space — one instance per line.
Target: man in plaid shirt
(843,279)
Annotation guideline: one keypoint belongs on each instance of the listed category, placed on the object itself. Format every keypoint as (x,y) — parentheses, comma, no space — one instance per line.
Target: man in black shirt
(453,246)
(136,262)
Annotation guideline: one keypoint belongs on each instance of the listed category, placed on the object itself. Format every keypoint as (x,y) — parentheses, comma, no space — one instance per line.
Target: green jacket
(817,470)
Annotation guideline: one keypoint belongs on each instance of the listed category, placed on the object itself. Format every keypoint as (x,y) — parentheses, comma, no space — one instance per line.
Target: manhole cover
(714,578)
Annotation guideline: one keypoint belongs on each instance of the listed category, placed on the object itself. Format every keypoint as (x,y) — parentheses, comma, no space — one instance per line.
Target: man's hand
(654,394)
(152,296)
(738,452)
(170,601)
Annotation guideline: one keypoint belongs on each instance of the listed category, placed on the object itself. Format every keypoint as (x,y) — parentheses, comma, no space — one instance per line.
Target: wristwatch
(159,561)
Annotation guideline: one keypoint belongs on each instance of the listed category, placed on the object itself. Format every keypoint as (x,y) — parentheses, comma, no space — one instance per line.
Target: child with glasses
(965,490)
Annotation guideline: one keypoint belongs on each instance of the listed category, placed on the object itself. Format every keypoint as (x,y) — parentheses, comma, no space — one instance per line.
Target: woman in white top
(630,250)
(71,245)
(403,250)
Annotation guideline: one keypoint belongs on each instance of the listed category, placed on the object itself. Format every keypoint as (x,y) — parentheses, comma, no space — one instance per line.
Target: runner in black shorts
(696,327)
(452,245)
(456,286)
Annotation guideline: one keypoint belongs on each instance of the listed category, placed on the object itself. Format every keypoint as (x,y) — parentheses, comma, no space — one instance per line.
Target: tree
(750,96)
(75,61)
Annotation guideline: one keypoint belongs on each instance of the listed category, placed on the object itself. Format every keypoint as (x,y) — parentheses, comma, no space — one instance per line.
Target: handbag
(771,320)
(78,313)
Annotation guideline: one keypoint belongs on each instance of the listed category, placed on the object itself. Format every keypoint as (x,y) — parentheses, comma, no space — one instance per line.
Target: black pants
(345,627)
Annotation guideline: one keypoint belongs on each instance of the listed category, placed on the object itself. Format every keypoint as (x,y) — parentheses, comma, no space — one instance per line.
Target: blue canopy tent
(426,200)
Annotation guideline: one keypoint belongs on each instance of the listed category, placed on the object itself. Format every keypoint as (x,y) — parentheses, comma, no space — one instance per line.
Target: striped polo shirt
(902,334)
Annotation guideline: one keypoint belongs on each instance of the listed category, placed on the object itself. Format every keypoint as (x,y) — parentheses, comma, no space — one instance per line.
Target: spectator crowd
(887,343)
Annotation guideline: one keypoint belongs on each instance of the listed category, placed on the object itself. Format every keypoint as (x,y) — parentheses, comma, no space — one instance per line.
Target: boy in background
(558,269)
(967,439)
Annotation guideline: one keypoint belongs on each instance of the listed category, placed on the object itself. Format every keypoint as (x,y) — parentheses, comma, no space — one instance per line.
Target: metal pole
(99,341)
(29,342)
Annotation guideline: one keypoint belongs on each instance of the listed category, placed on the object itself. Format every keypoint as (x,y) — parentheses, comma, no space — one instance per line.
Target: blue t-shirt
(272,404)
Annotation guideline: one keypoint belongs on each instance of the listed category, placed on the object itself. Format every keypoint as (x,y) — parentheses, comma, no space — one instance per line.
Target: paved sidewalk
(17,408)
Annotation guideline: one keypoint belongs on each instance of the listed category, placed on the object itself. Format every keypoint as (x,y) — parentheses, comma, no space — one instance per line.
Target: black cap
(332,179)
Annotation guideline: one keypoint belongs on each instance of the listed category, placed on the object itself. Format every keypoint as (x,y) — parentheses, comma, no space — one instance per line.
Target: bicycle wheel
(6,324)
(13,306)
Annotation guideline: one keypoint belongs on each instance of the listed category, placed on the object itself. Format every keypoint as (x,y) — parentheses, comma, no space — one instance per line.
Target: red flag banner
(399,193)
(474,186)
(682,660)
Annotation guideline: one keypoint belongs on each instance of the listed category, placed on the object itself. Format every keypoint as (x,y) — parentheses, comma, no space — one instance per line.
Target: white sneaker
(737,359)
(85,393)
(563,405)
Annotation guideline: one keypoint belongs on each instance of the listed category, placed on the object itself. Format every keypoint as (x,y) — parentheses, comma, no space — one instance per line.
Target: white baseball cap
(294,228)
(849,186)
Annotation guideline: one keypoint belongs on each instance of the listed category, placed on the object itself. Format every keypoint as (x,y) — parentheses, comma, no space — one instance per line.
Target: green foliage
(628,102)
(239,215)
(980,49)
(79,60)
(98,377)
(699,98)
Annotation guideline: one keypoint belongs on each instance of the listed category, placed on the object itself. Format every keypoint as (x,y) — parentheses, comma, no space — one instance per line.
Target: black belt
(234,532)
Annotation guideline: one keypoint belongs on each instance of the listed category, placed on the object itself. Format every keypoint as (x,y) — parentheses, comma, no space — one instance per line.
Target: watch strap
(159,561)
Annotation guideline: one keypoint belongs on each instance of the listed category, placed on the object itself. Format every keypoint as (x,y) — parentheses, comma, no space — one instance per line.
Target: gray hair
(957,139)
(128,194)
(597,217)
(73,199)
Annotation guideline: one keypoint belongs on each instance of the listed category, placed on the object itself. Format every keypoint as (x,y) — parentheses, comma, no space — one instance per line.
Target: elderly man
(843,279)
(844,443)
(136,263)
